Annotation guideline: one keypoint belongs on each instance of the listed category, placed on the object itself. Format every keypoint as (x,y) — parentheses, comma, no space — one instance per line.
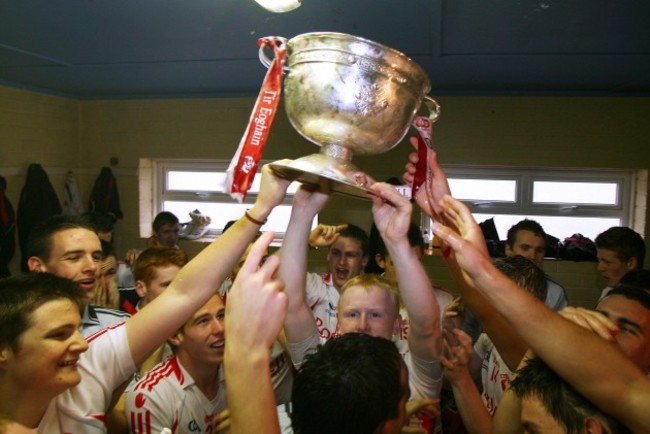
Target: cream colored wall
(518,131)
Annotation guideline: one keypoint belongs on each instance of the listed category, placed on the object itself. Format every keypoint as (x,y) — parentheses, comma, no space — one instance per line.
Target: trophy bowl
(350,96)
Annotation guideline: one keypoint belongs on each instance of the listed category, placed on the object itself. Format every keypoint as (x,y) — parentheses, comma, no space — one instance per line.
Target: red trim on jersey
(91,338)
(167,369)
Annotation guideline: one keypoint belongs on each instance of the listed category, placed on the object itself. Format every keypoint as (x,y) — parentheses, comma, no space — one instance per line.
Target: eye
(221,316)
(350,314)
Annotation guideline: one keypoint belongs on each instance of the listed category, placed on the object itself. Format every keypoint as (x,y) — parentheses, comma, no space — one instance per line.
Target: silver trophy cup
(350,96)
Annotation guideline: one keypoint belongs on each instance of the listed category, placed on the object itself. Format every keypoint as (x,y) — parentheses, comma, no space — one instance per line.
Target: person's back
(354,384)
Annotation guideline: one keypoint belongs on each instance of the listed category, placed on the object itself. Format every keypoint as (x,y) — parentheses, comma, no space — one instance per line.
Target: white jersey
(281,370)
(556,297)
(495,374)
(97,318)
(105,366)
(322,297)
(168,397)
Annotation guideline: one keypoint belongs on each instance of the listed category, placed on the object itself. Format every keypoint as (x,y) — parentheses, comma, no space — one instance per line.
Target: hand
(325,235)
(436,185)
(391,212)
(591,320)
(309,202)
(222,421)
(256,304)
(273,189)
(131,256)
(458,350)
(427,406)
(461,221)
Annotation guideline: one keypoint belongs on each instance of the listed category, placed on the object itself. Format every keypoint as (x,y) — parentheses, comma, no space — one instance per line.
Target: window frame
(156,193)
(523,204)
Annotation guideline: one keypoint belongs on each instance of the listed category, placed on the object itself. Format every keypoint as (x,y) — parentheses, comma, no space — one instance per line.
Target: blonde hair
(368,281)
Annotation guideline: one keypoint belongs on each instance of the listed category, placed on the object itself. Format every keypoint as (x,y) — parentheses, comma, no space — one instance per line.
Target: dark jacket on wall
(105,199)
(38,201)
(7,230)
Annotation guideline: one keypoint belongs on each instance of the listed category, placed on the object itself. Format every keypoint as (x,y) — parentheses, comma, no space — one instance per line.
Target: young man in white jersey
(186,392)
(114,353)
(347,256)
(368,303)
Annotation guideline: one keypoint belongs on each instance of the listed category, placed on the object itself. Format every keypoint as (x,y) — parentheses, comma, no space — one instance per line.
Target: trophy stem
(337,151)
(330,170)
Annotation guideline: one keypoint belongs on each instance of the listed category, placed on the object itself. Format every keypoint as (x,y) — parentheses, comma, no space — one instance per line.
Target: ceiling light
(279,6)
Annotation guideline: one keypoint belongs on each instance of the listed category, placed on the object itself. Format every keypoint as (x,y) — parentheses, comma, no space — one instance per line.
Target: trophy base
(324,172)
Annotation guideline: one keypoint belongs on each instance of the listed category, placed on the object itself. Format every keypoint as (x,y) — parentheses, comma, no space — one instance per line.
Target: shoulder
(165,374)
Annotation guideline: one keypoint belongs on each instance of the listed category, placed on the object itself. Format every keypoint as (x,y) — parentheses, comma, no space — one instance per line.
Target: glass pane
(597,193)
(222,213)
(195,181)
(210,182)
(484,189)
(559,227)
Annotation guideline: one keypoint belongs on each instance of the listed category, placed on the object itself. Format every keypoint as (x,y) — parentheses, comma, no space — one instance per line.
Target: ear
(381,262)
(34,263)
(508,250)
(632,263)
(593,425)
(176,340)
(5,354)
(397,325)
(140,288)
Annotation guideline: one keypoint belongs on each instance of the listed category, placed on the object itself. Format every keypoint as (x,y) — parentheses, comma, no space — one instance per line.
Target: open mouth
(68,363)
(218,345)
(86,284)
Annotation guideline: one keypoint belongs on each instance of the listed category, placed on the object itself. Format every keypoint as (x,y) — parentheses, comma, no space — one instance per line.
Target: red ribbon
(424,126)
(243,166)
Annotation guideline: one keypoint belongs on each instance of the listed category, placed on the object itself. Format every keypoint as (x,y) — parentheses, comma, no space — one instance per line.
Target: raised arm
(510,345)
(618,386)
(201,277)
(392,215)
(254,315)
(299,323)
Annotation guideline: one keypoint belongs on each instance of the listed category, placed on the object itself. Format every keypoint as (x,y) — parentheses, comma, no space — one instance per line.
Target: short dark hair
(163,218)
(22,295)
(525,225)
(634,293)
(525,274)
(625,242)
(377,245)
(350,385)
(639,278)
(566,406)
(39,240)
(358,234)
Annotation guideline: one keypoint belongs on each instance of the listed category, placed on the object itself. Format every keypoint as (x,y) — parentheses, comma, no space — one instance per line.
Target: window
(564,202)
(182,186)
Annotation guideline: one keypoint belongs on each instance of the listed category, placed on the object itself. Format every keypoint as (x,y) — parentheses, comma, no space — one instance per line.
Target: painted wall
(63,134)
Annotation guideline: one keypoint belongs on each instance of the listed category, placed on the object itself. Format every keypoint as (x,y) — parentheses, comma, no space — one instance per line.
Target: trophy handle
(434,108)
(278,40)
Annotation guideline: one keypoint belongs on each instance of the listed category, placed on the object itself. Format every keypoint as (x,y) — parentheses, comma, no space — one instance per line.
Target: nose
(78,344)
(217,326)
(90,264)
(362,324)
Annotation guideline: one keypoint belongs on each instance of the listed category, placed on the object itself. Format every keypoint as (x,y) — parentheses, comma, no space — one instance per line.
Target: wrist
(258,214)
